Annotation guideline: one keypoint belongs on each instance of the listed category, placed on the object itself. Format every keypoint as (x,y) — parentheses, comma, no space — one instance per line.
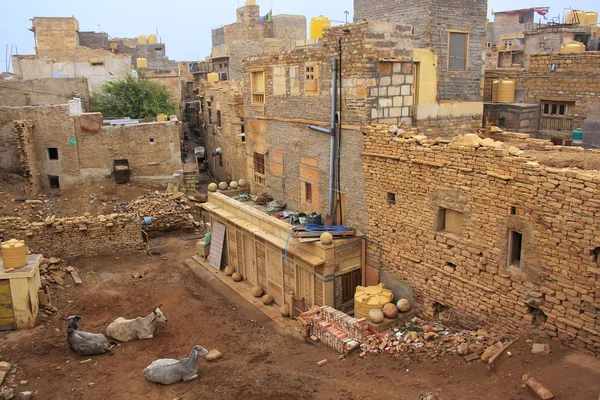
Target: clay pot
(326,238)
(257,291)
(284,310)
(212,187)
(403,305)
(243,183)
(376,316)
(229,270)
(390,311)
(237,277)
(267,299)
(223,185)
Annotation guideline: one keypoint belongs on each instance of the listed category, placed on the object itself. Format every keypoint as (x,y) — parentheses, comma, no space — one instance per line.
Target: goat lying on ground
(168,370)
(85,343)
(125,330)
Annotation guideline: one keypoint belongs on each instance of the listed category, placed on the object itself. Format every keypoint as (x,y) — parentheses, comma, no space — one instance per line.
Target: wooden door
(305,286)
(7,316)
(239,241)
(349,283)
(250,260)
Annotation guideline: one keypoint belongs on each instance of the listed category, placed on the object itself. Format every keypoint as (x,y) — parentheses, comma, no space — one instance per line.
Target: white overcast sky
(185,26)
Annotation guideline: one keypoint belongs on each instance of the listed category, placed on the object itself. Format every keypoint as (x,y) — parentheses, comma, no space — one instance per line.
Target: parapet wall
(444,215)
(77,236)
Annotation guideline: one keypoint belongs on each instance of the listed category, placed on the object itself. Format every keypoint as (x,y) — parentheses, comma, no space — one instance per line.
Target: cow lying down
(125,330)
(85,343)
(168,370)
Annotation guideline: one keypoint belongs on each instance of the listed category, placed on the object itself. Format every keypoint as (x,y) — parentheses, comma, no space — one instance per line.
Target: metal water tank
(317,24)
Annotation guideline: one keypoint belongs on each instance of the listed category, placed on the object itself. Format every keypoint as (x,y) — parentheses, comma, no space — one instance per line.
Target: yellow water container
(250,2)
(142,39)
(14,254)
(317,25)
(576,17)
(141,63)
(369,298)
(574,47)
(151,39)
(213,77)
(495,91)
(505,91)
(591,18)
(162,118)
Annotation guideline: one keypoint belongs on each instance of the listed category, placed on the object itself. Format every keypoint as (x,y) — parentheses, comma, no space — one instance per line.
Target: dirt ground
(260,361)
(97,197)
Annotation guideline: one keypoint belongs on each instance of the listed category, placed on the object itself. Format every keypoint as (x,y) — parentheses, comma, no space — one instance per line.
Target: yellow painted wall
(427,104)
(428,80)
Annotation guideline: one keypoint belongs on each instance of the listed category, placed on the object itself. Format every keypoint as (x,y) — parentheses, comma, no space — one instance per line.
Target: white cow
(169,370)
(125,330)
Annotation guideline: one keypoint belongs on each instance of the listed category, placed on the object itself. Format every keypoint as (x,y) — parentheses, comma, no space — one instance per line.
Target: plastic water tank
(503,91)
(141,63)
(591,18)
(369,298)
(317,25)
(142,39)
(506,91)
(574,47)
(14,254)
(151,39)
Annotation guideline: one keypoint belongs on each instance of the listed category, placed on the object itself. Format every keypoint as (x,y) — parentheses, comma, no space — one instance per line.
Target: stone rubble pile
(345,334)
(167,211)
(53,272)
(434,340)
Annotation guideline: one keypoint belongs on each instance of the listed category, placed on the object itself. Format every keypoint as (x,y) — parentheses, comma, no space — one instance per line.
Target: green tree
(131,97)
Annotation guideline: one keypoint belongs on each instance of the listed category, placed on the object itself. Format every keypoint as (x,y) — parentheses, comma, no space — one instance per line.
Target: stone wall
(55,34)
(94,40)
(152,149)
(36,92)
(77,236)
(25,145)
(297,158)
(449,126)
(514,117)
(448,231)
(167,77)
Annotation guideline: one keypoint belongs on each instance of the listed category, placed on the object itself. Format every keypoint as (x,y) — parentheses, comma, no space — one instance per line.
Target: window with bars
(259,168)
(556,108)
(258,87)
(458,51)
(311,78)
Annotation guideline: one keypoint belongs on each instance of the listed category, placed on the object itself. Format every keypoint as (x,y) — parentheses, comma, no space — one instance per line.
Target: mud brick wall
(553,291)
(575,80)
(432,21)
(295,155)
(77,236)
(55,34)
(24,134)
(18,93)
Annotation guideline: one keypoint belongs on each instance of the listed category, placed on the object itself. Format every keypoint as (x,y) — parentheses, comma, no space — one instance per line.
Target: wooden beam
(491,365)
(539,390)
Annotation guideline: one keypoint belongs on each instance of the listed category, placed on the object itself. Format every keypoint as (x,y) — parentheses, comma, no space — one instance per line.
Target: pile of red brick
(337,330)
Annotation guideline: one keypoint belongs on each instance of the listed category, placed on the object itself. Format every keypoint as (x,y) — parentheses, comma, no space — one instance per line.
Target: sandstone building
(62,50)
(55,148)
(448,38)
